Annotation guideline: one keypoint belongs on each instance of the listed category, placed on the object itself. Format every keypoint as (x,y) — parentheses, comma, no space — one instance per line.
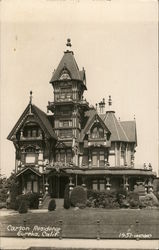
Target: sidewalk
(16,243)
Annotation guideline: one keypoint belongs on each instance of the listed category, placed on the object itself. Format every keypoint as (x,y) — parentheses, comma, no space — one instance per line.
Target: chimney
(102,106)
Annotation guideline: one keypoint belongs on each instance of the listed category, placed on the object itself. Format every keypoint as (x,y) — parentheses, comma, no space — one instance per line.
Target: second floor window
(97,158)
(97,132)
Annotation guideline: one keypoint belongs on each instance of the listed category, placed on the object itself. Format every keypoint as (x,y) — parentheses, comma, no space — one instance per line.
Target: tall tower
(69,84)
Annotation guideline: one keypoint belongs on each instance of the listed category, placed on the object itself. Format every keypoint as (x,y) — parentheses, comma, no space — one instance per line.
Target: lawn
(84,223)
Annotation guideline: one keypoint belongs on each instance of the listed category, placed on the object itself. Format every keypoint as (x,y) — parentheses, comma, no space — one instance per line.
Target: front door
(57,186)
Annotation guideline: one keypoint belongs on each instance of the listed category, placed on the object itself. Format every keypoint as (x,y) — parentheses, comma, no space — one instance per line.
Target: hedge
(78,196)
(102,199)
(23,208)
(31,199)
(67,203)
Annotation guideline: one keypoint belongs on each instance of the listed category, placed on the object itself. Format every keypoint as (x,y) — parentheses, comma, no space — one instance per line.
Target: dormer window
(97,132)
(65,75)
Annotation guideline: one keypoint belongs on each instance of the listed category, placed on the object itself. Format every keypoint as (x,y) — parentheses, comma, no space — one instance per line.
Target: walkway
(69,244)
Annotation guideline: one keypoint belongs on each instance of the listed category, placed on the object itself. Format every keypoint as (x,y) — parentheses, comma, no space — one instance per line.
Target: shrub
(13,194)
(121,196)
(20,199)
(33,200)
(78,195)
(102,199)
(133,199)
(149,200)
(66,197)
(52,205)
(23,208)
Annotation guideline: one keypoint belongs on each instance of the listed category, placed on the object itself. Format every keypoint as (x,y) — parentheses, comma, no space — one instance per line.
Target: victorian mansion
(75,142)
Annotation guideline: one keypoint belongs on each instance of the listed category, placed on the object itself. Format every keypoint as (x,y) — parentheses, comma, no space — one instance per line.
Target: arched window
(97,132)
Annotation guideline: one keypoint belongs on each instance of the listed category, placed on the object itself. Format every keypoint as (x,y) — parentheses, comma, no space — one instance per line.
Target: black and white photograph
(79,125)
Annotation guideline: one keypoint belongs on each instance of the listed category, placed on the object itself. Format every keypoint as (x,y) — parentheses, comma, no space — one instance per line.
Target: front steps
(59,203)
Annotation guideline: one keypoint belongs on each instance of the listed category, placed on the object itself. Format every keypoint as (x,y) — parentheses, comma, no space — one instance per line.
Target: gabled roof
(68,61)
(42,119)
(90,117)
(32,169)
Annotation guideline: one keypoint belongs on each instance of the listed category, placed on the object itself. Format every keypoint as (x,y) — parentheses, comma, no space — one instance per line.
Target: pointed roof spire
(69,63)
(31,97)
(30,102)
(68,44)
(110,100)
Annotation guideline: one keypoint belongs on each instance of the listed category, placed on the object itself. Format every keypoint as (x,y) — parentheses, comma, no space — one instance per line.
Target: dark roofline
(37,111)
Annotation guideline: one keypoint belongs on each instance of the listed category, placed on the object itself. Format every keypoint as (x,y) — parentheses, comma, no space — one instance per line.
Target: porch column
(71,185)
(126,184)
(105,159)
(146,186)
(23,184)
(150,185)
(76,179)
(83,183)
(89,160)
(108,185)
(46,185)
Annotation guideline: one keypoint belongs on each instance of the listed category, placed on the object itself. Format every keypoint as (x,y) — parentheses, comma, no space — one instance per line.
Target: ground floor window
(32,186)
(98,185)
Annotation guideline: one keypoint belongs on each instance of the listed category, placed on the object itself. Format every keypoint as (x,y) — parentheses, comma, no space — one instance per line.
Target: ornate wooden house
(76,143)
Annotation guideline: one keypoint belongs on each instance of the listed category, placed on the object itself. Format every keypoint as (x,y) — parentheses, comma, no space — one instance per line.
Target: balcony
(97,143)
(67,100)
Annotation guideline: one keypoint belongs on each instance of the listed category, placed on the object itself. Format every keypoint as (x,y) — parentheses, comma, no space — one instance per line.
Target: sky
(115,41)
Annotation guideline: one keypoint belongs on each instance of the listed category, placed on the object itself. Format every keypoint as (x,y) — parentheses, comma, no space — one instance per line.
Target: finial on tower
(68,44)
(110,100)
(31,97)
